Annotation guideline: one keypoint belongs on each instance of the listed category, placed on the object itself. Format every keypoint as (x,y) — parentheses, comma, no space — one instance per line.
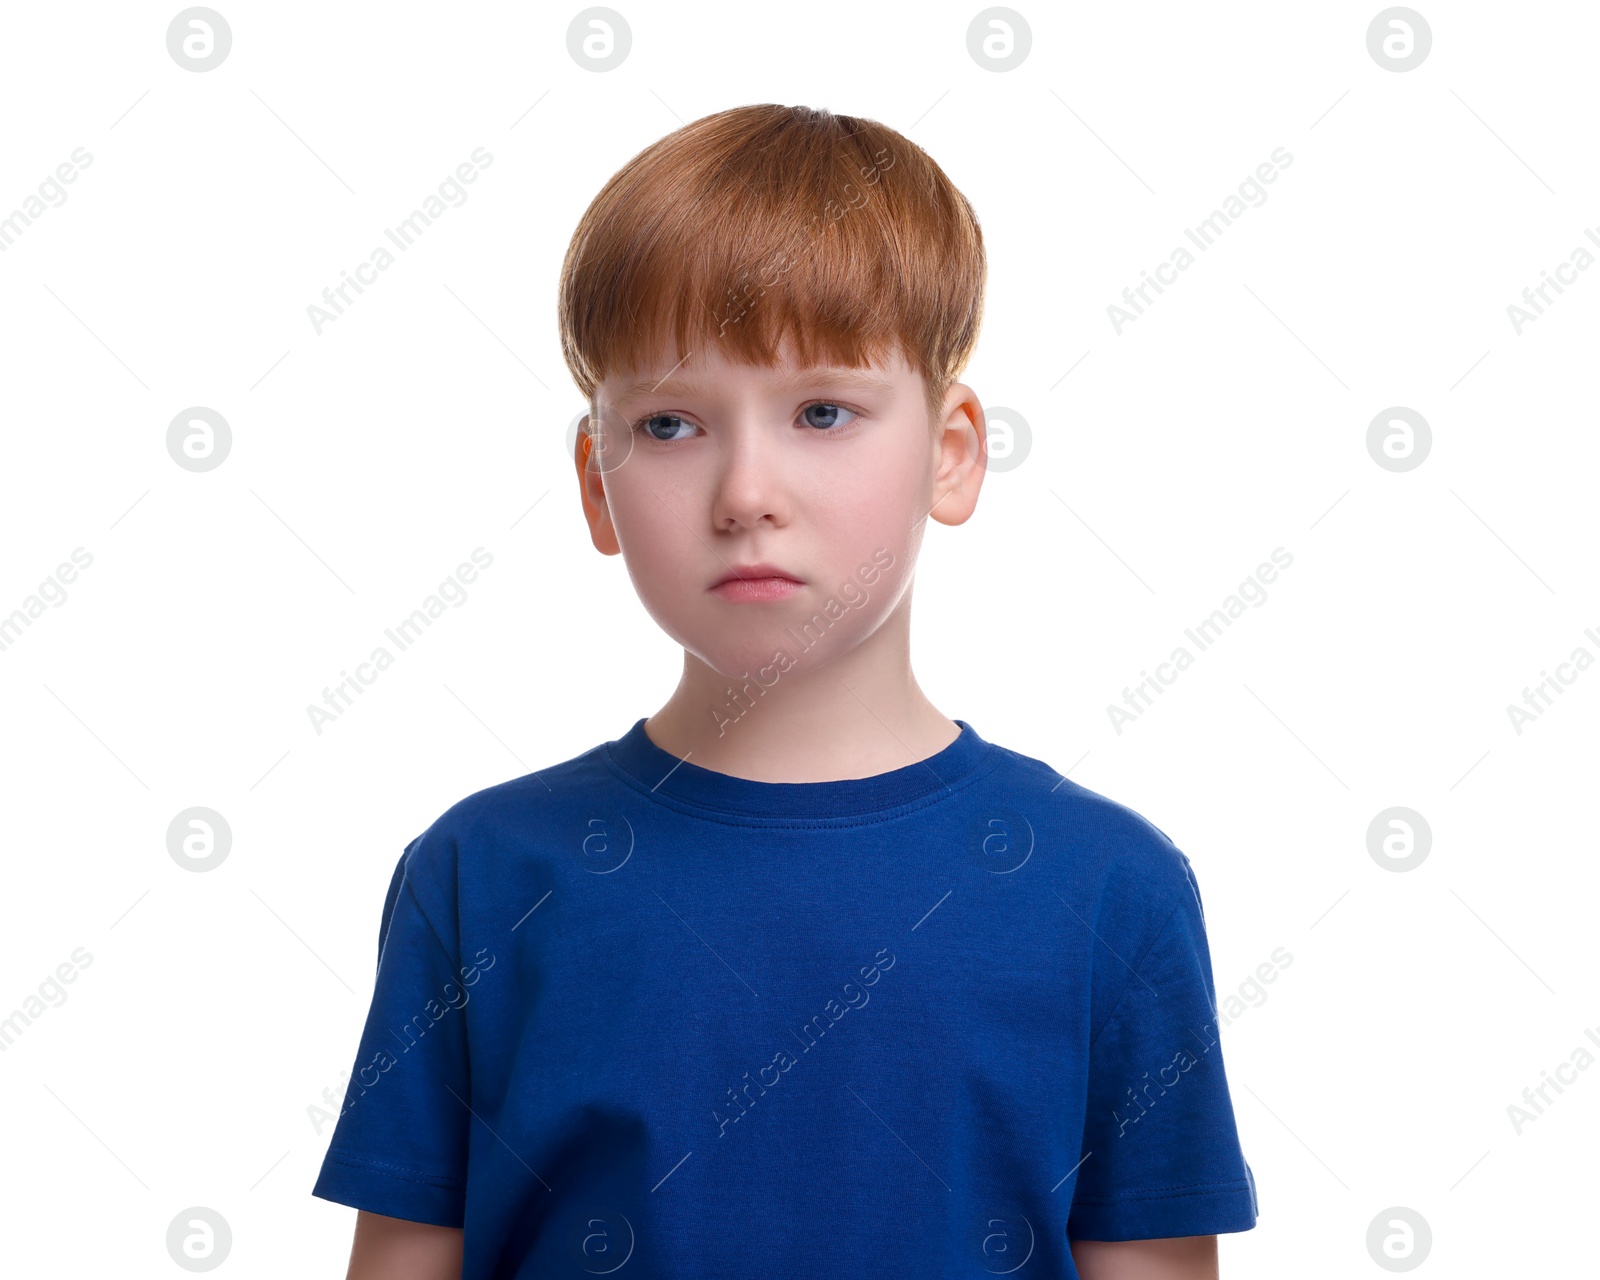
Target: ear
(961,454)
(592,491)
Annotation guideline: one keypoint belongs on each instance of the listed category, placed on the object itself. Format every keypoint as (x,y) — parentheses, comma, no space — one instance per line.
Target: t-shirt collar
(664,776)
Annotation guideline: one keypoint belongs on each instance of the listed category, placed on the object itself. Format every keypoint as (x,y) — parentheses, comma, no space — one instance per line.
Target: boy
(797,977)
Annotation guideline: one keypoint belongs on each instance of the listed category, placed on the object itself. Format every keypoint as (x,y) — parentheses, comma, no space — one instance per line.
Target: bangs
(765,226)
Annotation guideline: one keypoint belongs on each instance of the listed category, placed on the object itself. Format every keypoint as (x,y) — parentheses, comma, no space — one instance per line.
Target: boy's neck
(853,719)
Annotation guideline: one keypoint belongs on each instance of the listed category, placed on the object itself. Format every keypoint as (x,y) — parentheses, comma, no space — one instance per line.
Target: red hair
(765,222)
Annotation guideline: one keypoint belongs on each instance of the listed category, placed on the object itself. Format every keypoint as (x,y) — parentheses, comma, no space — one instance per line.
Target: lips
(749,572)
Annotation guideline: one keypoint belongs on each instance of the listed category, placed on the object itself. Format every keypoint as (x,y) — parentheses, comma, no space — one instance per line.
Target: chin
(763,655)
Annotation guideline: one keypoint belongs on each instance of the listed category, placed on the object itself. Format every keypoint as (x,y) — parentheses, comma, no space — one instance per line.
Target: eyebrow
(827,374)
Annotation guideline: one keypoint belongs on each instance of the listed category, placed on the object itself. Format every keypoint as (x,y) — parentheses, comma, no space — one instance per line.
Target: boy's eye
(827,414)
(663,421)
(823,416)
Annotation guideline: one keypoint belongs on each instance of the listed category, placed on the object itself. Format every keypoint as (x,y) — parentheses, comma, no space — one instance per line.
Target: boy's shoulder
(509,811)
(527,796)
(1113,838)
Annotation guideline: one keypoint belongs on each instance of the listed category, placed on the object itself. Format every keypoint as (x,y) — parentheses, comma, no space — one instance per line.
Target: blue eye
(648,425)
(830,415)
(822,415)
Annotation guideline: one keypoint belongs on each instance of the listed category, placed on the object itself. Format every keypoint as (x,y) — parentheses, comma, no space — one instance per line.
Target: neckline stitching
(987,763)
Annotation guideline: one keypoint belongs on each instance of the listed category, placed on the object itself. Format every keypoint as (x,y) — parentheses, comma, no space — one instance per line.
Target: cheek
(880,505)
(656,542)
(643,507)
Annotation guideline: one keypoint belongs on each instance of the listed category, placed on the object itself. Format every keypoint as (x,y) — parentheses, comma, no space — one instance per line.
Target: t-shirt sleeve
(400,1145)
(1161,1153)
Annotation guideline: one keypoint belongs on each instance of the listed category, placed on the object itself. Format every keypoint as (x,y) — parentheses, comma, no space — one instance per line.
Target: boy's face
(708,467)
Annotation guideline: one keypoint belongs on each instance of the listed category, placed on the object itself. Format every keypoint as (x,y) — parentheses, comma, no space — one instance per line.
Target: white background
(431,418)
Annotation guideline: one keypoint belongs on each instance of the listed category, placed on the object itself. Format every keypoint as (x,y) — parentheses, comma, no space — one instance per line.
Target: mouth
(755,573)
(756,582)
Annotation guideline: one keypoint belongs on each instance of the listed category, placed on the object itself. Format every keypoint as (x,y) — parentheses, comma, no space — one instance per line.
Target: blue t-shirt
(637,1017)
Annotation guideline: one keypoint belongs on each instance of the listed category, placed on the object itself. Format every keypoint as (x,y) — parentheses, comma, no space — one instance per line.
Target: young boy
(797,977)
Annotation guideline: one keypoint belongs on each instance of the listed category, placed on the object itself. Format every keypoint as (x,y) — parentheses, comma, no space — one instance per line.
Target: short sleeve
(400,1145)
(1161,1153)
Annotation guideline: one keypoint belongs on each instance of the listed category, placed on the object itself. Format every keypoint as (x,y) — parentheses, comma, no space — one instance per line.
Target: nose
(751,484)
